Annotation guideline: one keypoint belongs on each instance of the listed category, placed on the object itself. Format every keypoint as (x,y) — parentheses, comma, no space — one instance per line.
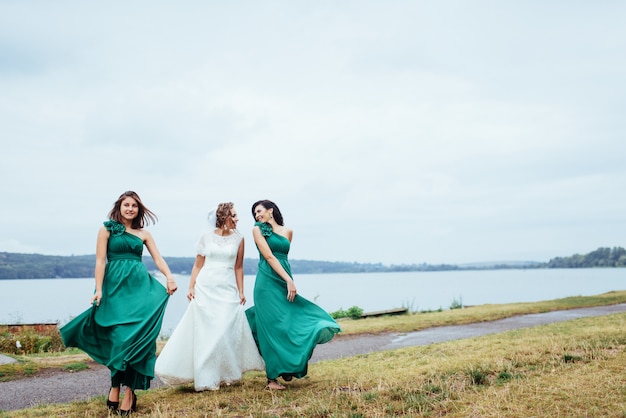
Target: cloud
(404,132)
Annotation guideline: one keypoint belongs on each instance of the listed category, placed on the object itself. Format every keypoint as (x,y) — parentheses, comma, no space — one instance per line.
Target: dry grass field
(567,369)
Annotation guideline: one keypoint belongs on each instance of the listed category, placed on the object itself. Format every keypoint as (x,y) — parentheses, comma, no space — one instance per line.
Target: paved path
(6,359)
(62,387)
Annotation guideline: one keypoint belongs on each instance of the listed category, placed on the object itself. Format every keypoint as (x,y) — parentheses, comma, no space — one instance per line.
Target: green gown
(285,332)
(121,333)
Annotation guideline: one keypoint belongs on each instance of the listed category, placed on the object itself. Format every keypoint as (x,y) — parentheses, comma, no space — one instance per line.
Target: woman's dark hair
(268,204)
(222,212)
(144,215)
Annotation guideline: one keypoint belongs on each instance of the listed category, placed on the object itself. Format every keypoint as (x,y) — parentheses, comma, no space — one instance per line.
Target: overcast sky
(387,131)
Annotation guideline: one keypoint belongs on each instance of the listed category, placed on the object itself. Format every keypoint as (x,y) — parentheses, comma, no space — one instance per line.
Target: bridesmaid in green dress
(286,326)
(121,327)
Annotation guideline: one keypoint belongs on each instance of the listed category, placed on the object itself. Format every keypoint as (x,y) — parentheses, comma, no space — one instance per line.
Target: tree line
(602,257)
(38,266)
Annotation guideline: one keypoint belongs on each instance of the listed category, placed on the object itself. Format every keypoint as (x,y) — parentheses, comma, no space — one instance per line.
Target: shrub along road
(63,386)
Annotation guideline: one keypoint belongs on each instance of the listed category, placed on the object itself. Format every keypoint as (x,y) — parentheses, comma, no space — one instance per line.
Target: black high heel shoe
(133,408)
(112,405)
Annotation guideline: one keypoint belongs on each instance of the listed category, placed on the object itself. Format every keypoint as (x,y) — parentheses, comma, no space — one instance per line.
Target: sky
(394,132)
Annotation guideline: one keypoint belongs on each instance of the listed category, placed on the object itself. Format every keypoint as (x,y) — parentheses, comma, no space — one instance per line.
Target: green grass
(75,366)
(17,370)
(474,314)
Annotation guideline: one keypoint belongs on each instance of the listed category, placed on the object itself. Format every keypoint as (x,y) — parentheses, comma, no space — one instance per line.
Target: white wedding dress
(212,343)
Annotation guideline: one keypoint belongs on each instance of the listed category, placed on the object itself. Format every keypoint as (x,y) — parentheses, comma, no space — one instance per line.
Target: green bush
(28,341)
(457,303)
(354,312)
(339,314)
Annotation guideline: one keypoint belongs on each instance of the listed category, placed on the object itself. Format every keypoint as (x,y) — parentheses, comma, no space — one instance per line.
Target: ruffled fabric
(114,227)
(266,229)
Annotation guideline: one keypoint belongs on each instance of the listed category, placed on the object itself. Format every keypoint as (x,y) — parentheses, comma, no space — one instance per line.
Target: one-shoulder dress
(212,344)
(121,332)
(286,332)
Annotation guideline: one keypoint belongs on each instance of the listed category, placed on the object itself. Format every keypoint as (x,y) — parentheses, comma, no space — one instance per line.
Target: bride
(212,344)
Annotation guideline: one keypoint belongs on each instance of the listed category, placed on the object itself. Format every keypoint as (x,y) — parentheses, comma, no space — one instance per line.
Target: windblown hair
(268,204)
(144,215)
(222,213)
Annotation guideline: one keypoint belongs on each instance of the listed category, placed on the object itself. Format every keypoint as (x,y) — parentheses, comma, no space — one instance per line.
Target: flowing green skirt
(121,333)
(286,332)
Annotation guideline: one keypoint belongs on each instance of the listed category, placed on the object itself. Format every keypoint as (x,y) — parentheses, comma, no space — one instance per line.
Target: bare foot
(274,385)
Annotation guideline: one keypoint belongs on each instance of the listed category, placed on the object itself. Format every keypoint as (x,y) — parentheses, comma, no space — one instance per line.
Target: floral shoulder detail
(266,229)
(114,227)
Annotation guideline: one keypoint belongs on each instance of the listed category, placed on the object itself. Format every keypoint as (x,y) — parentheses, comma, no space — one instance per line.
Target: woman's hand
(291,291)
(171,286)
(242,299)
(97,297)
(191,295)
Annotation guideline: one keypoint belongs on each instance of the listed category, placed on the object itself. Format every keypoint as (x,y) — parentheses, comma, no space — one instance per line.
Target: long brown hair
(144,215)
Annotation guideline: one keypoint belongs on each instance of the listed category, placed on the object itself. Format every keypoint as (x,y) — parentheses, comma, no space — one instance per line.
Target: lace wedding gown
(212,343)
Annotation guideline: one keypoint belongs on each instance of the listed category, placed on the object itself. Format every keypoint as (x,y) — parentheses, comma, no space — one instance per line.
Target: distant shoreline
(15,266)
(37,266)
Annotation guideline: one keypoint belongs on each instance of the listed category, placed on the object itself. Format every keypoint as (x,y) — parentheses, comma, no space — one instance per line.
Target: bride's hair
(222,212)
(268,204)
(144,215)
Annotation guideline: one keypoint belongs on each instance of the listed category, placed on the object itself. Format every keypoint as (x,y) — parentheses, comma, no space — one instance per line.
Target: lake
(58,300)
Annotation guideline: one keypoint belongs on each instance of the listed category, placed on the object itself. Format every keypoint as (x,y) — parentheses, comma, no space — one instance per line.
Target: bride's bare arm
(197,266)
(239,272)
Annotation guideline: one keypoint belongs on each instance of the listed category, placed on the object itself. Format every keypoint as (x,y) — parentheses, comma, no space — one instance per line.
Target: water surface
(58,300)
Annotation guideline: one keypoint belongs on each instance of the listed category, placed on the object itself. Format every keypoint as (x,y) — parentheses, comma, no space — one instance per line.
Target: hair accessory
(212,219)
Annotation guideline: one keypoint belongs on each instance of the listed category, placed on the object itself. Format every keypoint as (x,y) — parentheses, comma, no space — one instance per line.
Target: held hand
(97,297)
(171,287)
(191,295)
(291,291)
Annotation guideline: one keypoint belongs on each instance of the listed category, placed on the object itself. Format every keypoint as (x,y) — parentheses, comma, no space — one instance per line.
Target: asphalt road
(63,387)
